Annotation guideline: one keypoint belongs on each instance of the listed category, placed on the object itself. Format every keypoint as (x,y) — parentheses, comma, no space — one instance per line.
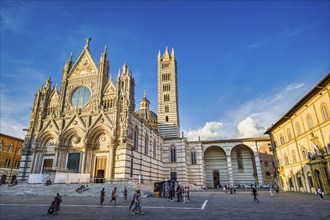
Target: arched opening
(97,161)
(216,179)
(215,160)
(318,178)
(244,169)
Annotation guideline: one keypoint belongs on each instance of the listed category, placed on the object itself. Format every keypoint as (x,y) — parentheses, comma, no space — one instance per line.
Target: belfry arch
(215,167)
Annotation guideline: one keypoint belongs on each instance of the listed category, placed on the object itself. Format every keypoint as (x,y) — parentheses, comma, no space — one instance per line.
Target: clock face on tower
(81,97)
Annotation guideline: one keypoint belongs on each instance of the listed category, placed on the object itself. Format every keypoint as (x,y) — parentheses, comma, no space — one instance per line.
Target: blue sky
(241,64)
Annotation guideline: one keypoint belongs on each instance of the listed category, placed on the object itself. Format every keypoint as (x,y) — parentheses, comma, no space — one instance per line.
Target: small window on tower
(165,65)
(166,118)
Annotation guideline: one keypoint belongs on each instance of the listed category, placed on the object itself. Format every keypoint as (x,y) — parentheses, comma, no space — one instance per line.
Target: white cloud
(258,44)
(16,99)
(210,131)
(249,128)
(292,32)
(294,86)
(252,118)
(255,116)
(12,127)
(280,36)
(14,15)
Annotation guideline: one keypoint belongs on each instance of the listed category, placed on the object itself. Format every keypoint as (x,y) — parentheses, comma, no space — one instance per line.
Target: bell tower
(168,107)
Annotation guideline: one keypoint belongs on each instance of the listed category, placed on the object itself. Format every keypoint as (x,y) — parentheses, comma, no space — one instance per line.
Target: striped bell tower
(168,107)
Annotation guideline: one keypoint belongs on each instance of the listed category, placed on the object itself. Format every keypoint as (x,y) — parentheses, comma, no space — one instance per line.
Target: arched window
(309,121)
(146,140)
(293,155)
(310,179)
(240,164)
(166,87)
(304,155)
(282,139)
(136,138)
(154,149)
(325,112)
(193,157)
(286,159)
(173,154)
(166,97)
(166,118)
(298,129)
(288,131)
(121,102)
(11,148)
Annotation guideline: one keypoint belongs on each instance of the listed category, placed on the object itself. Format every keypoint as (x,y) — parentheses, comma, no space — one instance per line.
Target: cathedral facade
(88,130)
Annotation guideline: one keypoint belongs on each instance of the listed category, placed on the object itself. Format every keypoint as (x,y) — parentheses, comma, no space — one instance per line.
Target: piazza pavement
(26,201)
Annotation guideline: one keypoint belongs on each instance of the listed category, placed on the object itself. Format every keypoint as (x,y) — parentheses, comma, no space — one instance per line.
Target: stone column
(33,161)
(258,167)
(324,177)
(36,166)
(82,165)
(110,163)
(230,171)
(56,157)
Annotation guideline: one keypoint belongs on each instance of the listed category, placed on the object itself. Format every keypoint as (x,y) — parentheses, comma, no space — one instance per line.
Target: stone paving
(209,204)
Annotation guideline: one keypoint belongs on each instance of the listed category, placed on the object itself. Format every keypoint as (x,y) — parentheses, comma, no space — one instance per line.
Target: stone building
(10,156)
(301,142)
(89,131)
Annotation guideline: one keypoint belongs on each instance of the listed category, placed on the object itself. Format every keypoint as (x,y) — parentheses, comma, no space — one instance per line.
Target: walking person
(58,201)
(320,192)
(271,190)
(113,195)
(125,194)
(170,192)
(255,194)
(102,194)
(138,205)
(179,192)
(133,200)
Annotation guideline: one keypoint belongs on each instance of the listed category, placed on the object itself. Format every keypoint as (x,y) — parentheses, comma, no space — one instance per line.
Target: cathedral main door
(100,169)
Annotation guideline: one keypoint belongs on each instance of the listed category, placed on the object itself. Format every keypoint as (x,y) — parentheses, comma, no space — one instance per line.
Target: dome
(145,113)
